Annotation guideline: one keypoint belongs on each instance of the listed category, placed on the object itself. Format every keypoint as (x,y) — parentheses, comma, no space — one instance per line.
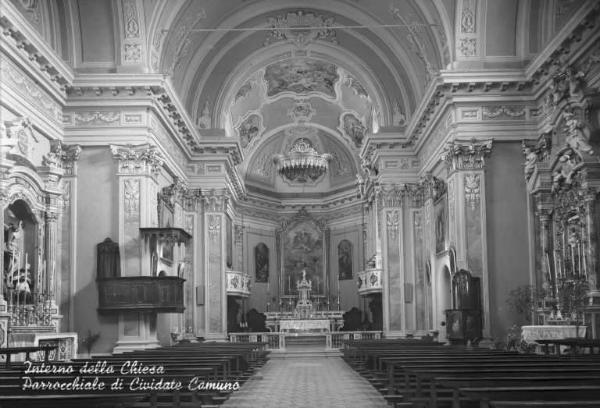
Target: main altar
(304,318)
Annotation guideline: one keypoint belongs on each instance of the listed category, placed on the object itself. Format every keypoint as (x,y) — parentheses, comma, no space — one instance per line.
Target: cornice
(26,39)
(88,87)
(517,83)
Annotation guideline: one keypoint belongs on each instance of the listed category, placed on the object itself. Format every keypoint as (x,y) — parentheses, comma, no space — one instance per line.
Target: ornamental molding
(29,44)
(142,159)
(215,200)
(390,195)
(466,154)
(432,187)
(449,84)
(30,90)
(392,220)
(62,156)
(472,185)
(134,87)
(289,29)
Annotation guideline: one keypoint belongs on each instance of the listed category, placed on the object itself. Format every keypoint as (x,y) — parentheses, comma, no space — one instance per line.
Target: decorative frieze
(140,160)
(506,112)
(466,154)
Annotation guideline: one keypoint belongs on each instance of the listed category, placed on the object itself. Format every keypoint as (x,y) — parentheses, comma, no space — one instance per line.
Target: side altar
(304,318)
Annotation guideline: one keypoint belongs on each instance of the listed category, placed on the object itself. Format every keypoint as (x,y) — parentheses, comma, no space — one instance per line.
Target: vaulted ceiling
(255,71)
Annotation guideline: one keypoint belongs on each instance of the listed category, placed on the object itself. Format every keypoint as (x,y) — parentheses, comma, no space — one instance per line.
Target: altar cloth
(304,325)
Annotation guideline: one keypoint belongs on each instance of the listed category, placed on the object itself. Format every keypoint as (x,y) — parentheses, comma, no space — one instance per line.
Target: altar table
(530,334)
(304,326)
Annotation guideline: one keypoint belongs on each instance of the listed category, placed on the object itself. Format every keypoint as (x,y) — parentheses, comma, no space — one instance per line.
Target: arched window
(261,262)
(345,259)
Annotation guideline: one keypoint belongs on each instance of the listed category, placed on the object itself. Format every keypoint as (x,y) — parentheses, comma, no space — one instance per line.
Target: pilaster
(467,213)
(390,200)
(215,207)
(136,172)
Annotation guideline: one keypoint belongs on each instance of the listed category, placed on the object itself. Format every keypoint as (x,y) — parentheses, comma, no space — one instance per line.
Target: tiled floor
(303,382)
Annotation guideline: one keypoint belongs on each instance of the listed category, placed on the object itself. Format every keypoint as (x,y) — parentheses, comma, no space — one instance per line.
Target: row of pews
(182,376)
(418,373)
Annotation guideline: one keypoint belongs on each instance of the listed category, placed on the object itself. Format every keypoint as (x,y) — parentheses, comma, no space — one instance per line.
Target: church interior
(268,176)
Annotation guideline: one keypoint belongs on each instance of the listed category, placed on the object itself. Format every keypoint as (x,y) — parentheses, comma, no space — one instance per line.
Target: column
(215,206)
(136,175)
(467,220)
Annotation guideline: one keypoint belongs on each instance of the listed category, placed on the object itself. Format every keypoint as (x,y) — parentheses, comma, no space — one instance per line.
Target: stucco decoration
(289,28)
(301,76)
(249,129)
(353,128)
(355,85)
(204,120)
(302,111)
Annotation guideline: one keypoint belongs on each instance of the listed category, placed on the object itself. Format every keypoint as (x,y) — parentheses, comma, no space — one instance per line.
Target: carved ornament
(140,159)
(466,155)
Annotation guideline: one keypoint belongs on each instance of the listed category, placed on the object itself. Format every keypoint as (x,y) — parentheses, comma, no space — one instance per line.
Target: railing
(136,293)
(238,283)
(369,281)
(337,339)
(276,340)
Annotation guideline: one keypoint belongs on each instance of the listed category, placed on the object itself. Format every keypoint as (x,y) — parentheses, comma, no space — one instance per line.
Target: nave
(306,379)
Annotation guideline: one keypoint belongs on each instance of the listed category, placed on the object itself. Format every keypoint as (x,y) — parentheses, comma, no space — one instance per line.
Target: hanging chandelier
(302,163)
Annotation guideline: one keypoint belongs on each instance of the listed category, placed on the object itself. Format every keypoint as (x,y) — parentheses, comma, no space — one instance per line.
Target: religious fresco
(261,263)
(354,128)
(249,129)
(301,76)
(344,260)
(303,250)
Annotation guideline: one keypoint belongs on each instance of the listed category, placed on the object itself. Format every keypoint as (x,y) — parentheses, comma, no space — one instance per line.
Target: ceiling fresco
(301,76)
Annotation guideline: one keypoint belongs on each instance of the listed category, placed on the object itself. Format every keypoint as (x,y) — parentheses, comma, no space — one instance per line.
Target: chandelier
(302,163)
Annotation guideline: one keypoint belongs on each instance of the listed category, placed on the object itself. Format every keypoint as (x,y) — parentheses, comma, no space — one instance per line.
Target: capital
(466,154)
(142,159)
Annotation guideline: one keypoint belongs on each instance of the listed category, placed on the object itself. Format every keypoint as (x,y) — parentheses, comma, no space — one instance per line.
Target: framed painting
(441,224)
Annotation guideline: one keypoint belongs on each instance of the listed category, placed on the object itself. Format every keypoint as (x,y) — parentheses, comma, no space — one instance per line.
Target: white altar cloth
(530,334)
(307,326)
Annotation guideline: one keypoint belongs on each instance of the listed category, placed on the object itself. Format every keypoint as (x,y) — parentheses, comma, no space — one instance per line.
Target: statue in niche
(261,261)
(345,259)
(108,259)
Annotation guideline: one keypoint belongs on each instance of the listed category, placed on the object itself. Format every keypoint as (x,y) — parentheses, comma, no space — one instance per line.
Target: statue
(578,134)
(530,159)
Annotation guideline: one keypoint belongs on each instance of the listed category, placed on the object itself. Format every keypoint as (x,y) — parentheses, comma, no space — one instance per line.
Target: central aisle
(306,381)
